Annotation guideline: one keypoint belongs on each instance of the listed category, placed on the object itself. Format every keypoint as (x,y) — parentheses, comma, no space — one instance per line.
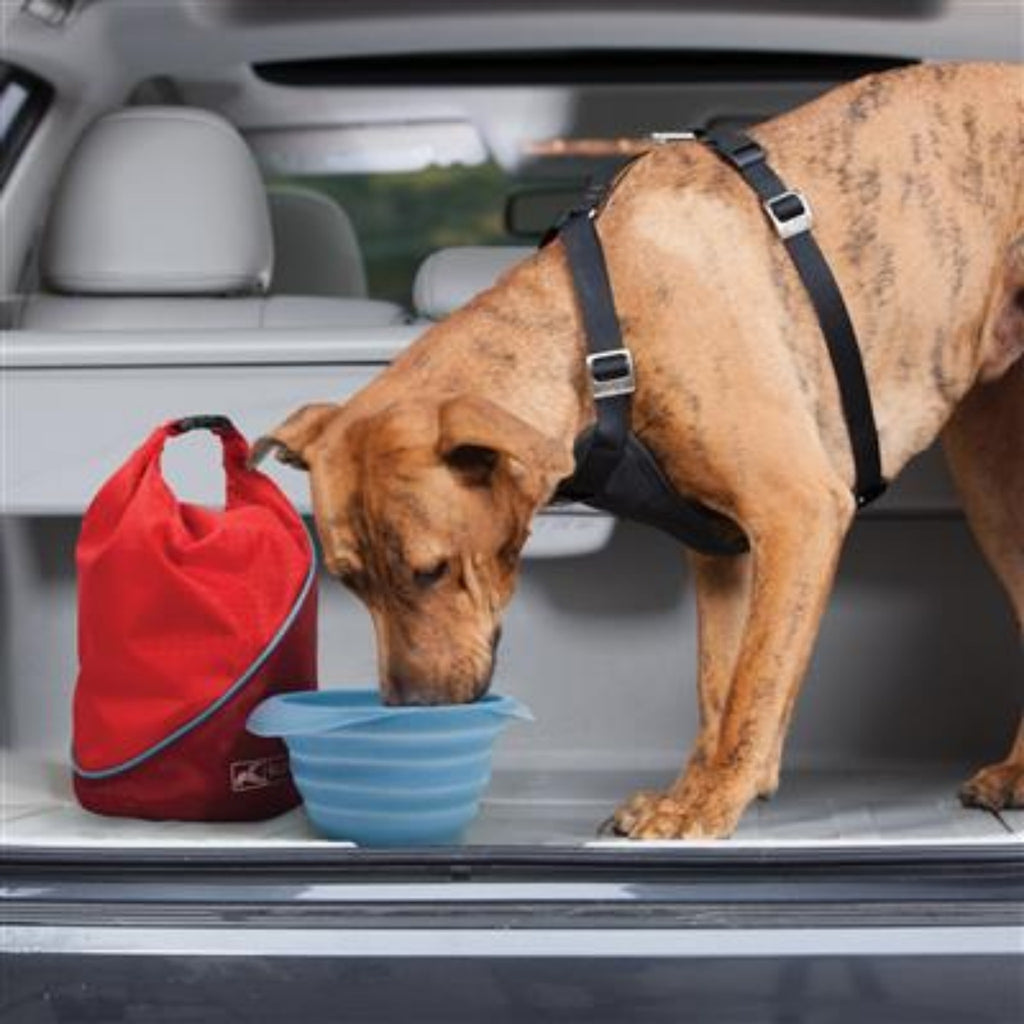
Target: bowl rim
(320,711)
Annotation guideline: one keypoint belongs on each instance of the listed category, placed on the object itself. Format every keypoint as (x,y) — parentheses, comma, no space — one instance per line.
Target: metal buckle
(797,223)
(662,137)
(615,383)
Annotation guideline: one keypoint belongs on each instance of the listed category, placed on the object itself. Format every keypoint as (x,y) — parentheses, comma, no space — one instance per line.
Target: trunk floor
(561,808)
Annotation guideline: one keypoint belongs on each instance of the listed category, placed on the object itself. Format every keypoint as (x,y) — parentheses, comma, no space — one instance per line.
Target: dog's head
(422,509)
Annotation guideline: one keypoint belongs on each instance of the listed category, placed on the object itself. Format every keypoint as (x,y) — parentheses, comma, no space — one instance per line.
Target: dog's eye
(428,577)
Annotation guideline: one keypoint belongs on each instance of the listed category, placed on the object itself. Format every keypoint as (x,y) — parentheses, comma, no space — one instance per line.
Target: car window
(24,99)
(400,218)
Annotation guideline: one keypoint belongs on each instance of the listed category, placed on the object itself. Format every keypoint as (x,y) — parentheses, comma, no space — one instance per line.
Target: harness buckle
(790,214)
(611,373)
(663,137)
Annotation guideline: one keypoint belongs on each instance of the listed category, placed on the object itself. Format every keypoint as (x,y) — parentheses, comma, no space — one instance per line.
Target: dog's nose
(484,684)
(397,691)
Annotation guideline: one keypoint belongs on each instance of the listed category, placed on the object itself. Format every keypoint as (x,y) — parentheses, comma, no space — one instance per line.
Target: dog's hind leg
(984,444)
(1000,785)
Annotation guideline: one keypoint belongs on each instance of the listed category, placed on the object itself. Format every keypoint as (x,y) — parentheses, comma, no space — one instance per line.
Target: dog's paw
(638,806)
(651,815)
(996,787)
(670,819)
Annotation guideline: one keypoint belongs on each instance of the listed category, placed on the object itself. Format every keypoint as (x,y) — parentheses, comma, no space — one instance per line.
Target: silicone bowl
(387,776)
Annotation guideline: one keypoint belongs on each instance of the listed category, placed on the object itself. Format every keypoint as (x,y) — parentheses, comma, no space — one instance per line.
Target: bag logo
(258,774)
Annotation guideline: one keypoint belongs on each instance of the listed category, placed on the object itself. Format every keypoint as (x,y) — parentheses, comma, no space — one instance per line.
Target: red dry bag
(188,617)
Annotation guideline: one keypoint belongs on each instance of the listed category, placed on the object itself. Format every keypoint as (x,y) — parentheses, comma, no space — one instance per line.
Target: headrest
(159,201)
(449,278)
(316,251)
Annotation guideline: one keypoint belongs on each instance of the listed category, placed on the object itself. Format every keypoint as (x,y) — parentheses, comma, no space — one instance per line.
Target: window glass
(12,102)
(400,218)
(23,102)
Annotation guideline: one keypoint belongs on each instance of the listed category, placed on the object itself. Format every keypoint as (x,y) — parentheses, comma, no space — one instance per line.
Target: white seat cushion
(449,278)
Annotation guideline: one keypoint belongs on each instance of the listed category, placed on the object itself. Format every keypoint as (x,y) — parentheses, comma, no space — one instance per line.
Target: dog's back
(917,181)
(914,179)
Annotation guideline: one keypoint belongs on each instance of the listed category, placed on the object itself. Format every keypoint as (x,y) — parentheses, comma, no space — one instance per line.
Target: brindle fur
(915,180)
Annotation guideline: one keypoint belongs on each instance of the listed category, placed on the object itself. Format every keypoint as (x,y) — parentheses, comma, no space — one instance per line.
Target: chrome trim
(512,942)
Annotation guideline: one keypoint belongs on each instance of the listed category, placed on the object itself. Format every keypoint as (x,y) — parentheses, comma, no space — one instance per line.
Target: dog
(425,482)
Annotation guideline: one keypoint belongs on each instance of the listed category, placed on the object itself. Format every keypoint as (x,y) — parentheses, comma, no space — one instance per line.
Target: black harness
(615,471)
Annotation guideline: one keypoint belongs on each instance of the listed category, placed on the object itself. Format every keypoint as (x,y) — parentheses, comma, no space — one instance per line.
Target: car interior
(238,207)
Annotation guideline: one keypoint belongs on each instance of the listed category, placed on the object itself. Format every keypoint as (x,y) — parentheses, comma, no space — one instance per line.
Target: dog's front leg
(723,588)
(794,547)
(723,606)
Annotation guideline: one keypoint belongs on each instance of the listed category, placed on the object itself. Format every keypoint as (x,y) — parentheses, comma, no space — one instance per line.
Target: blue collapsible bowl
(387,776)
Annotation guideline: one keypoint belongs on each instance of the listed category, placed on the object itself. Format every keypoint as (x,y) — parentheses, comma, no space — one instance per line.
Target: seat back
(449,278)
(161,221)
(316,251)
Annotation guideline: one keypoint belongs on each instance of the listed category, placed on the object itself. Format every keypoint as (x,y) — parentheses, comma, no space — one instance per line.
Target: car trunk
(863,891)
(914,683)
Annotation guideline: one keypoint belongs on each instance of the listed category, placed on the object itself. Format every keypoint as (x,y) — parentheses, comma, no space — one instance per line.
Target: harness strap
(614,469)
(790,214)
(609,363)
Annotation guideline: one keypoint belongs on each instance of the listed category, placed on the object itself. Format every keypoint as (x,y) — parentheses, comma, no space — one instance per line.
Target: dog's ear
(290,440)
(477,438)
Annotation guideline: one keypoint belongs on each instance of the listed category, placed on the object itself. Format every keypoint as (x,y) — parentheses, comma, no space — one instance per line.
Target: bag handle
(142,469)
(204,422)
(243,484)
(236,448)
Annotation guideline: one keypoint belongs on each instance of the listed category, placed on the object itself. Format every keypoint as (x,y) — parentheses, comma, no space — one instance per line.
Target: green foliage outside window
(401,218)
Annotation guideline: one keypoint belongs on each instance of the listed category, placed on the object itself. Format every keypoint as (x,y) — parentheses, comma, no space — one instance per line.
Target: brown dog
(424,483)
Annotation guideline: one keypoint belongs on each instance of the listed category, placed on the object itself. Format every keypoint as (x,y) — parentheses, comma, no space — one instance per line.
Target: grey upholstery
(316,251)
(161,222)
(159,201)
(449,278)
(88,313)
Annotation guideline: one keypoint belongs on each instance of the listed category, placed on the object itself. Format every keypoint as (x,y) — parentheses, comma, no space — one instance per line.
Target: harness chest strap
(614,470)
